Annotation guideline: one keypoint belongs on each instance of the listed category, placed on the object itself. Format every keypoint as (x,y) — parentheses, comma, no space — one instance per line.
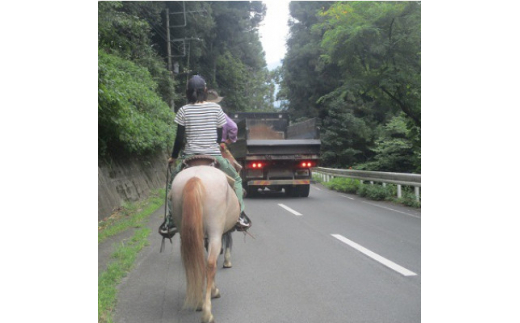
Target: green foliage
(394,149)
(122,34)
(133,82)
(378,45)
(131,116)
(347,185)
(227,53)
(134,216)
(357,65)
(409,199)
(221,43)
(345,136)
(108,280)
(375,192)
(304,79)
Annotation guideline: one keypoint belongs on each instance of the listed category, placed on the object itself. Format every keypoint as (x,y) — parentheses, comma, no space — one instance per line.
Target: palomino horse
(204,206)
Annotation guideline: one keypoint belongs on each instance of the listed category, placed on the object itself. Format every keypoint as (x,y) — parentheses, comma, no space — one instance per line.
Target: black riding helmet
(196,89)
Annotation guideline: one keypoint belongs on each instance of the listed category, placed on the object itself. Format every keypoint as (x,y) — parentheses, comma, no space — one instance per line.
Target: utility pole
(169,51)
(168,40)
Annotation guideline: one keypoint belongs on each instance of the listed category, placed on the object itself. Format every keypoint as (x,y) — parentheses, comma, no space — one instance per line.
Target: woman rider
(200,123)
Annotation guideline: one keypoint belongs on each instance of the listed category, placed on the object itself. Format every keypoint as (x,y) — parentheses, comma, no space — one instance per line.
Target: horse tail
(192,242)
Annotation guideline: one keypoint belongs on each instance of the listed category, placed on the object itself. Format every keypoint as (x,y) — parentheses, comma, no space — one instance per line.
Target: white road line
(314,187)
(392,265)
(347,197)
(290,210)
(387,208)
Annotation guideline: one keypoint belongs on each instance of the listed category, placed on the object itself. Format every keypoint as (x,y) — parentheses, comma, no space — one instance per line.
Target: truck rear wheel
(292,191)
(304,190)
(252,191)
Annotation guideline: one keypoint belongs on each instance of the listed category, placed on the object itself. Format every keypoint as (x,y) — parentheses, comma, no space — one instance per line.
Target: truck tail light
(307,164)
(256,165)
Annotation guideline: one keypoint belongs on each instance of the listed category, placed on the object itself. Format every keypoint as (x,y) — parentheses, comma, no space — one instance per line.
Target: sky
(274,31)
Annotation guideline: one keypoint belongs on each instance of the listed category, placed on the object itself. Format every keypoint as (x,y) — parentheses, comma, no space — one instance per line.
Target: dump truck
(275,154)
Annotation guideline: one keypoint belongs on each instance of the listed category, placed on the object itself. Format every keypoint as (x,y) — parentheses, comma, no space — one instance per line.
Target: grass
(131,216)
(124,258)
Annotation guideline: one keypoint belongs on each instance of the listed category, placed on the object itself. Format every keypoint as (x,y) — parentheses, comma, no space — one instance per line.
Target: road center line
(347,196)
(392,265)
(290,210)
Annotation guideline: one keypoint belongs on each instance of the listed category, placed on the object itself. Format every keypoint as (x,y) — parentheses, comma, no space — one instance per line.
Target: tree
(377,44)
(356,65)
(394,149)
(228,52)
(132,118)
(221,43)
(304,80)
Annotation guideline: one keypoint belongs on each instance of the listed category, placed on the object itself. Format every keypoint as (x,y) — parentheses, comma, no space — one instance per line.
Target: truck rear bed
(274,149)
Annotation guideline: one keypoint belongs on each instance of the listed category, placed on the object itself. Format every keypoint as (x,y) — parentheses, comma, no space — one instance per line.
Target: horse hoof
(216,295)
(227,265)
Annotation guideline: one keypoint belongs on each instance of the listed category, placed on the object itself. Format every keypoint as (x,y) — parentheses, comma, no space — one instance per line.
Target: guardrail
(400,179)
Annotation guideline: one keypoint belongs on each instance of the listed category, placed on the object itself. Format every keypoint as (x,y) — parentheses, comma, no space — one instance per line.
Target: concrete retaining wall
(128,180)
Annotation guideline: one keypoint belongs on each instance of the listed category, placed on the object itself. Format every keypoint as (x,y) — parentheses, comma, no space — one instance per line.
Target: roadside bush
(132,117)
(375,192)
(347,185)
(407,198)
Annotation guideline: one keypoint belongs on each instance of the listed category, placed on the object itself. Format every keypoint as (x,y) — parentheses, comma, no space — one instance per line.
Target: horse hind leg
(227,259)
(227,242)
(211,289)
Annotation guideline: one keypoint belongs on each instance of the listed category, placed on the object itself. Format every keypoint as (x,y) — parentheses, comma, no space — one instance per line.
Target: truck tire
(292,191)
(304,190)
(252,191)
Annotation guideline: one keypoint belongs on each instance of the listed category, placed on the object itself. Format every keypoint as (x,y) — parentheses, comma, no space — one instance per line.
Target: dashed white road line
(390,264)
(290,210)
(314,187)
(347,196)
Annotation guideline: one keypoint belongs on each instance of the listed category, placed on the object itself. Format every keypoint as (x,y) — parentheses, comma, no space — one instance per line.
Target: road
(331,257)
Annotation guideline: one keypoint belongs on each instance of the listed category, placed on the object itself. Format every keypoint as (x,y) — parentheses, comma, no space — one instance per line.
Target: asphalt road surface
(331,257)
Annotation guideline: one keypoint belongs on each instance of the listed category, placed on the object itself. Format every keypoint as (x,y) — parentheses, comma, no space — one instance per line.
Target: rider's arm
(232,129)
(179,140)
(219,135)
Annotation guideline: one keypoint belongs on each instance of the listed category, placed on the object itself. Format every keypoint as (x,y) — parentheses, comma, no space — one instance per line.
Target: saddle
(204,160)
(200,160)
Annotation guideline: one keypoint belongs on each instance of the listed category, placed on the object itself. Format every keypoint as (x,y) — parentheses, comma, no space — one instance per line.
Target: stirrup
(243,227)
(167,230)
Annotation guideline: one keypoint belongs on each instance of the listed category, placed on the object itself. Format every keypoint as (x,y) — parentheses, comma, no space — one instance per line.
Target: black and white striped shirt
(201,122)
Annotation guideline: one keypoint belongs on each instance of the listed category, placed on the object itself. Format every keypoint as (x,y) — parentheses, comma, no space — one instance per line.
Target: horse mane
(192,242)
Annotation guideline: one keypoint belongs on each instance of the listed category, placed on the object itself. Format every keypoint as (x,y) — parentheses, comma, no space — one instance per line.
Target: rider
(201,123)
(229,132)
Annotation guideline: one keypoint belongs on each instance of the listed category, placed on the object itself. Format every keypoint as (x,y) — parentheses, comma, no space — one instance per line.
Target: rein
(168,172)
